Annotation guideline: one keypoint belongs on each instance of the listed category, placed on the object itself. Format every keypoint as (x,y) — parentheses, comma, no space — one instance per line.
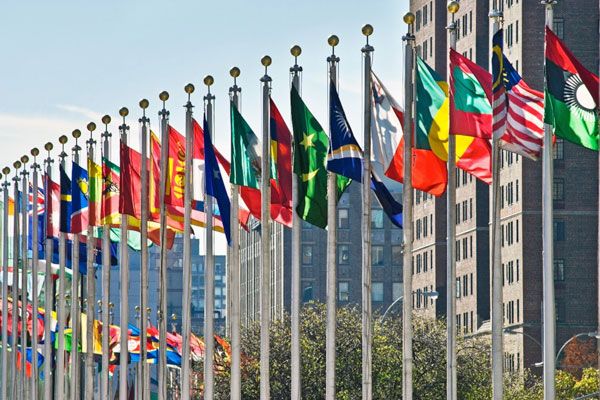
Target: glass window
(377,255)
(397,290)
(377,291)
(559,270)
(558,150)
(559,230)
(307,254)
(306,225)
(559,28)
(376,219)
(343,254)
(343,291)
(396,255)
(343,221)
(307,291)
(558,189)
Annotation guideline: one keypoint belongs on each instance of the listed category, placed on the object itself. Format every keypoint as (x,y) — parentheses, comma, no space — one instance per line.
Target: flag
(79,199)
(110,193)
(95,193)
(130,194)
(470,98)
(473,154)
(281,190)
(428,170)
(53,208)
(65,201)
(571,95)
(518,109)
(310,153)
(346,158)
(214,182)
(245,152)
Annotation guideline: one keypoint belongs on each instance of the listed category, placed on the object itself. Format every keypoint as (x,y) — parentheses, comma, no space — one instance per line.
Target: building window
(465,24)
(559,28)
(425,226)
(377,218)
(418,229)
(425,14)
(343,291)
(464,244)
(559,270)
(458,288)
(471,21)
(471,246)
(343,254)
(397,290)
(471,283)
(343,220)
(559,230)
(396,255)
(517,191)
(418,263)
(558,189)
(377,291)
(425,50)
(377,255)
(517,31)
(457,250)
(464,210)
(307,254)
(465,285)
(306,225)
(425,262)
(431,224)
(418,20)
(430,47)
(457,214)
(558,150)
(307,291)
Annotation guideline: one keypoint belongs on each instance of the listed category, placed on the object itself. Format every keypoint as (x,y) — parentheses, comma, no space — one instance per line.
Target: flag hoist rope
(75,299)
(124,278)
(24,382)
(35,234)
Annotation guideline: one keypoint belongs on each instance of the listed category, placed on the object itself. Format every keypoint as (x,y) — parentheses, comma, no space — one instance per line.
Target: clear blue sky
(67,63)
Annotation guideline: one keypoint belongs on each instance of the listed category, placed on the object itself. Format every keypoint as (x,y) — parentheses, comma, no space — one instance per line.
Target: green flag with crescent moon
(310,156)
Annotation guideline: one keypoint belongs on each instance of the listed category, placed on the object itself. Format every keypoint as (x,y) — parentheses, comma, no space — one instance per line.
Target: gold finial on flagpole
(35,152)
(24,159)
(76,134)
(144,103)
(296,50)
(17,165)
(453,7)
(163,96)
(123,112)
(91,127)
(333,40)
(6,171)
(409,18)
(106,119)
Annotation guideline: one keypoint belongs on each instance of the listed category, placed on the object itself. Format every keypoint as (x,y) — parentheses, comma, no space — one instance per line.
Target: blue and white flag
(346,158)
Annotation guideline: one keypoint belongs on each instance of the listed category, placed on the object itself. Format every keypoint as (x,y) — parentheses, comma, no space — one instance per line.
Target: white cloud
(80,110)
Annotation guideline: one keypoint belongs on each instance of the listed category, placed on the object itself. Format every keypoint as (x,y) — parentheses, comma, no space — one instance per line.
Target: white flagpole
(187,266)
(62,282)
(145,369)
(209,264)
(497,294)
(124,295)
(296,362)
(75,297)
(15,287)
(407,213)
(265,233)
(451,385)
(549,312)
(597,105)
(367,323)
(234,271)
(4,384)
(35,234)
(162,282)
(105,275)
(48,282)
(24,388)
(333,61)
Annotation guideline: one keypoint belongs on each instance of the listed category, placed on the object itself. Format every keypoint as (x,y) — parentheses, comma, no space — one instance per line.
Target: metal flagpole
(407,215)
(145,121)
(124,277)
(162,282)
(75,298)
(15,281)
(105,274)
(4,384)
(91,289)
(598,317)
(48,281)
(549,333)
(209,262)
(137,379)
(234,265)
(35,234)
(331,297)
(187,267)
(62,282)
(111,305)
(24,388)
(265,235)
(367,323)
(453,7)
(497,294)
(296,362)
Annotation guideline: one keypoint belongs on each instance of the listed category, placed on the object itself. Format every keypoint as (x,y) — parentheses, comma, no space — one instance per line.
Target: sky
(67,63)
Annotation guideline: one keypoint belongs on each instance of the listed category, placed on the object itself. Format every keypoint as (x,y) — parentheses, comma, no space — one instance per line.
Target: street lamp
(433,295)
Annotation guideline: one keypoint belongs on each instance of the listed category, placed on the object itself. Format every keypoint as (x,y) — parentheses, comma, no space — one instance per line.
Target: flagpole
(407,214)
(24,388)
(549,312)
(62,280)
(35,234)
(48,281)
(234,271)
(145,121)
(497,294)
(367,323)
(15,286)
(105,271)
(187,267)
(451,385)
(5,185)
(209,260)
(265,233)
(124,277)
(75,299)
(333,61)
(598,317)
(296,362)
(162,282)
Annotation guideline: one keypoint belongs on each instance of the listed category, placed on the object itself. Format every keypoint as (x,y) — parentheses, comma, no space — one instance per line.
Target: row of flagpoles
(185,194)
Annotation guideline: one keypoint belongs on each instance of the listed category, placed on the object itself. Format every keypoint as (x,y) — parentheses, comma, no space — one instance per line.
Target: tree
(579,354)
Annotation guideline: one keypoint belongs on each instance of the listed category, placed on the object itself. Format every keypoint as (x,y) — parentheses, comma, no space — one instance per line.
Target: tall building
(386,260)
(575,191)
